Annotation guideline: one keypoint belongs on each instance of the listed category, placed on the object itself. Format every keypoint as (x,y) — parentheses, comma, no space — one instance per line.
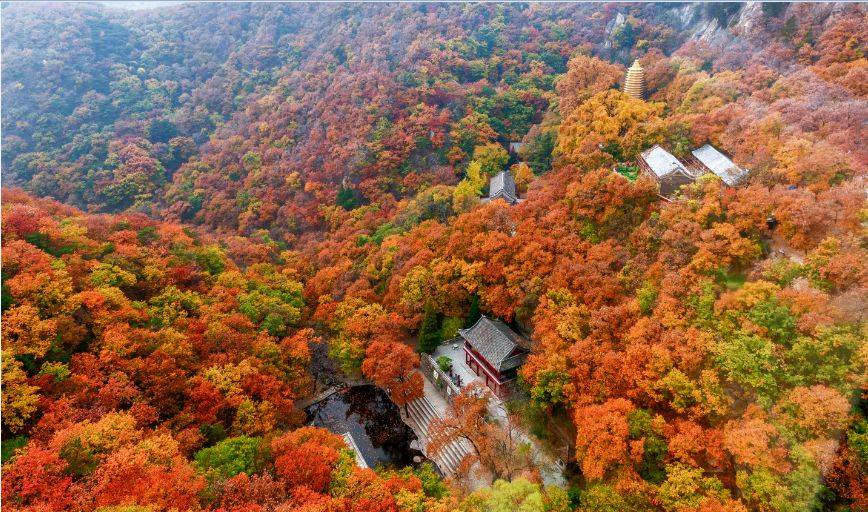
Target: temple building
(710,159)
(502,186)
(634,84)
(494,352)
(665,169)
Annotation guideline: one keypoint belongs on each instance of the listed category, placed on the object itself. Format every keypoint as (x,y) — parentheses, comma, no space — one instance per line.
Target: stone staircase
(421,413)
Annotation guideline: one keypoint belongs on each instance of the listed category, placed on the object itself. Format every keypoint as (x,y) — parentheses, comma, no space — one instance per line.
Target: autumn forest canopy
(213,211)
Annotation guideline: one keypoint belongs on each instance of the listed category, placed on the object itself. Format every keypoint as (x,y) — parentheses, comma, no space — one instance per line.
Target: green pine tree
(474,313)
(429,333)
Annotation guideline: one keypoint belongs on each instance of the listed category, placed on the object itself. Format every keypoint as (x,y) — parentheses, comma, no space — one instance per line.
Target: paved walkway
(455,352)
(441,406)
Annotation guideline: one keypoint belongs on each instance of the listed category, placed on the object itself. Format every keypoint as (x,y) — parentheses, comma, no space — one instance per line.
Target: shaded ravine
(374,422)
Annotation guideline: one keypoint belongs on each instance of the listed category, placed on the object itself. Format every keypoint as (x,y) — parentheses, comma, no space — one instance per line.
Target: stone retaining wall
(442,382)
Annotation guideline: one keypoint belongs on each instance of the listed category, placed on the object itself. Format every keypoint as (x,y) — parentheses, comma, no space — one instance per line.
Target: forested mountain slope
(141,366)
(263,174)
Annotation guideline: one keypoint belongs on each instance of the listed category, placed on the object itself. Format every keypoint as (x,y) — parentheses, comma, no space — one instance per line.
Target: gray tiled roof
(719,164)
(502,185)
(662,162)
(502,182)
(495,342)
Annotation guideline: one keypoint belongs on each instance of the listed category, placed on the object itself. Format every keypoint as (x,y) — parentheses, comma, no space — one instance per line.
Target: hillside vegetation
(198,197)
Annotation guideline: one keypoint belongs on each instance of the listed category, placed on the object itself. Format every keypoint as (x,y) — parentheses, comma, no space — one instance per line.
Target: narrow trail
(319,397)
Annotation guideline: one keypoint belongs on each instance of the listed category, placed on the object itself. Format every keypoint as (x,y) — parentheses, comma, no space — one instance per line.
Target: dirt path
(780,248)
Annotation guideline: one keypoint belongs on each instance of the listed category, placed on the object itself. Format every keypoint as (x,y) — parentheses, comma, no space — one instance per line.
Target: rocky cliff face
(717,23)
(738,28)
(698,22)
(710,23)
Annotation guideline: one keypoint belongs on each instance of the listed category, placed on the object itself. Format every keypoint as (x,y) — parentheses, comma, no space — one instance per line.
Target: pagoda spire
(634,84)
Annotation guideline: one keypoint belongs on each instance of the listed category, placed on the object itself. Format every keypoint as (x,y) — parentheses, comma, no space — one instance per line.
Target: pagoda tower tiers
(634,85)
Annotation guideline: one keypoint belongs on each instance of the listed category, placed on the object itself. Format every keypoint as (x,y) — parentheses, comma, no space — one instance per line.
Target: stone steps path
(422,413)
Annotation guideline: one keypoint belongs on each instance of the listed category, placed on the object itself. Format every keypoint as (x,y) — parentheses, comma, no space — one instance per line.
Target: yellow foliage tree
(523,175)
(19,397)
(585,77)
(608,127)
(467,191)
